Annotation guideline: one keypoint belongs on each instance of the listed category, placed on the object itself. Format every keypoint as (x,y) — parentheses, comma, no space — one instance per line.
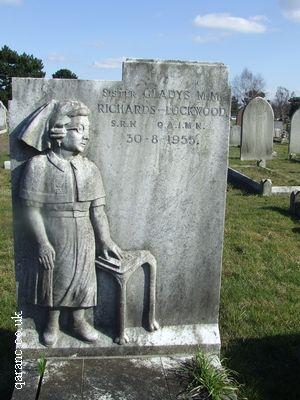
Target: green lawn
(282,171)
(260,297)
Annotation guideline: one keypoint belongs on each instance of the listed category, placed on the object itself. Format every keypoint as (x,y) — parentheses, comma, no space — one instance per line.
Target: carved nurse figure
(64,200)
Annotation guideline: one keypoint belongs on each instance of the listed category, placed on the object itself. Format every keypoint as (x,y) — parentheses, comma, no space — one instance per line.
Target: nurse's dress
(64,190)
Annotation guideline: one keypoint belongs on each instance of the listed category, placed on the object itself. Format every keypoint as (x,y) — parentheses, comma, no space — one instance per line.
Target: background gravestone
(3,118)
(278,125)
(160,138)
(239,118)
(294,144)
(235,135)
(257,130)
(278,131)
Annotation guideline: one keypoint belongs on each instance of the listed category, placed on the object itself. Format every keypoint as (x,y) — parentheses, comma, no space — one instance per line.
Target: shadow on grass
(7,363)
(283,211)
(270,365)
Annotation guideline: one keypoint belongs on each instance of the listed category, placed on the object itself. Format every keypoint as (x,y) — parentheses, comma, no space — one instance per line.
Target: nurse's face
(77,136)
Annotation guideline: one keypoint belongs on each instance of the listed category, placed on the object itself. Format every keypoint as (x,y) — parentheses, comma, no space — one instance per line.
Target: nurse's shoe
(50,335)
(85,331)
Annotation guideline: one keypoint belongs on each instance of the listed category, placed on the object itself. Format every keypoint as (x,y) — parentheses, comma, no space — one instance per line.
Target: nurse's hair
(62,117)
(46,126)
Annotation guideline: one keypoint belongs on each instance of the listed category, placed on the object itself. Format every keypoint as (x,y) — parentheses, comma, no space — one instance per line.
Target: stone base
(139,378)
(168,340)
(104,379)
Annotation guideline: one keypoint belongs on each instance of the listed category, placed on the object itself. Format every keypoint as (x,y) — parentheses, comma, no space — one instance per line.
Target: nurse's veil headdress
(49,121)
(36,131)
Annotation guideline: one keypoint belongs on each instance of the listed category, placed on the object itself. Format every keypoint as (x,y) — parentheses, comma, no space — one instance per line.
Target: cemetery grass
(281,170)
(260,296)
(259,312)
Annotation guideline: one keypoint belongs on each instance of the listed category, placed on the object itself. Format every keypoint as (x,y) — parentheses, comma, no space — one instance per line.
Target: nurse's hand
(46,255)
(111,246)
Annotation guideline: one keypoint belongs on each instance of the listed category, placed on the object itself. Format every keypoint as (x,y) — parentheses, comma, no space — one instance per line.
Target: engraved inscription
(169,139)
(123,123)
(178,113)
(167,94)
(138,109)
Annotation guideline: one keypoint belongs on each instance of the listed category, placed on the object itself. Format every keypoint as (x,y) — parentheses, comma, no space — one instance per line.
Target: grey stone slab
(62,380)
(167,340)
(284,190)
(294,143)
(27,388)
(160,139)
(257,130)
(235,135)
(124,379)
(3,118)
(244,181)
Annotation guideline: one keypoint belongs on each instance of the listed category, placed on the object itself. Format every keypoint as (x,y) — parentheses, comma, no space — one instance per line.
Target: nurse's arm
(102,232)
(45,250)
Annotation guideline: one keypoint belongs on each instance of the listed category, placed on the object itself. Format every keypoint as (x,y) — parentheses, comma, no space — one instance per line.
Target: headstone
(277,133)
(278,125)
(239,118)
(3,118)
(257,130)
(235,135)
(295,203)
(266,187)
(6,165)
(159,139)
(294,144)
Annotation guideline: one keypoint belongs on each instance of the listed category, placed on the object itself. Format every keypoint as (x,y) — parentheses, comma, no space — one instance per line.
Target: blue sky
(91,38)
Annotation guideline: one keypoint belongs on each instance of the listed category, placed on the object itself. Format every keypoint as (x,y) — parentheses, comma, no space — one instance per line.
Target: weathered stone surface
(167,340)
(257,130)
(62,380)
(3,118)
(235,135)
(132,379)
(160,139)
(30,378)
(294,144)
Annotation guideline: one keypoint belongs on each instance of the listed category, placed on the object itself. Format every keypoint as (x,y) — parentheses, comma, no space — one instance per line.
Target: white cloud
(57,57)
(226,21)
(210,37)
(108,63)
(290,9)
(11,2)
